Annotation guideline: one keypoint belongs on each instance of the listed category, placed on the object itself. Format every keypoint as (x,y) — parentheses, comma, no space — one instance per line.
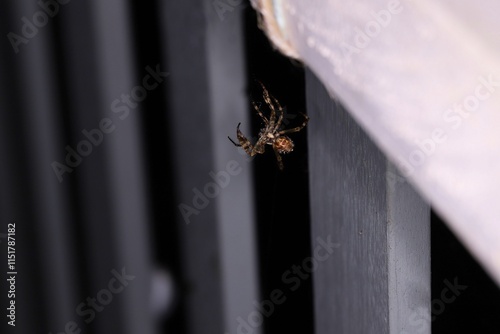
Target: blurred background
(134,213)
(114,114)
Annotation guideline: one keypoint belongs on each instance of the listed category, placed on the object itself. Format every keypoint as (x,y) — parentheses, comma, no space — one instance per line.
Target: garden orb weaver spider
(271,133)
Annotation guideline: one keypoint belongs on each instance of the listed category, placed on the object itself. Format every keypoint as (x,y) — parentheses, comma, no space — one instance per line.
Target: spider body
(283,144)
(271,134)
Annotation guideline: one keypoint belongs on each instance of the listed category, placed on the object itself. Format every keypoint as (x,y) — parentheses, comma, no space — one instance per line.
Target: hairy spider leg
(296,129)
(280,117)
(250,149)
(279,159)
(256,107)
(232,141)
(267,98)
(244,142)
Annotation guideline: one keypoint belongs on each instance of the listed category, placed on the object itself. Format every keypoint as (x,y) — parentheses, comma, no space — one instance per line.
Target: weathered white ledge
(423,79)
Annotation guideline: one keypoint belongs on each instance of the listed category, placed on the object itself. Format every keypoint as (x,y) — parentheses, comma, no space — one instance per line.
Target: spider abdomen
(283,144)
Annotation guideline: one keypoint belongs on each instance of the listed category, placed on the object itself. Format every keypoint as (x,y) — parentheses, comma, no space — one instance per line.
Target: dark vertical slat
(91,175)
(207,100)
(409,255)
(380,273)
(235,215)
(184,26)
(99,69)
(131,218)
(35,201)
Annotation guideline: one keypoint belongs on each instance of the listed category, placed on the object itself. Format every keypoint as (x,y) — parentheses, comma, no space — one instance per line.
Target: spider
(271,133)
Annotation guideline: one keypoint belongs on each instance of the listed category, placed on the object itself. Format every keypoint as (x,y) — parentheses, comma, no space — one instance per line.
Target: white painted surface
(423,79)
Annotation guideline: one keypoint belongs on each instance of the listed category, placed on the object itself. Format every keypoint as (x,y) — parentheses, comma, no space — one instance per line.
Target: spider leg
(232,141)
(267,98)
(259,147)
(279,159)
(296,129)
(257,109)
(244,142)
(280,117)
